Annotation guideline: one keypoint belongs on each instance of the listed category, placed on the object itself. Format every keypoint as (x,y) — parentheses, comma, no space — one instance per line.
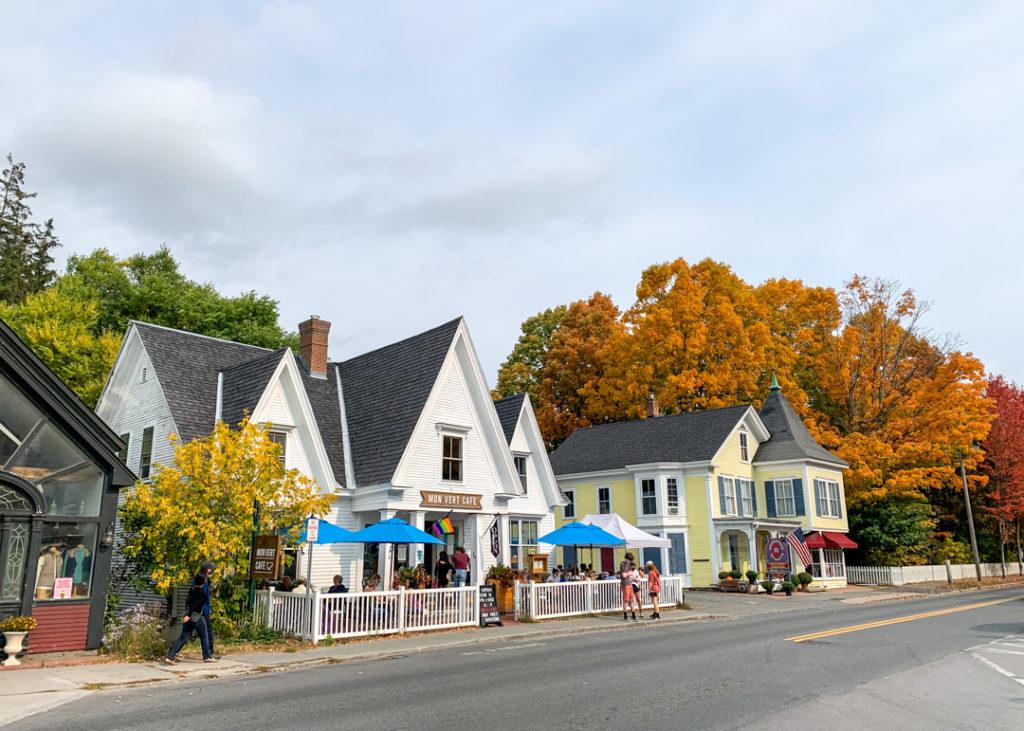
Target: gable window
(648,498)
(730,496)
(122,453)
(520,460)
(280,439)
(785,503)
(451,459)
(744,449)
(147,452)
(673,496)
(569,509)
(826,492)
(604,500)
(747,504)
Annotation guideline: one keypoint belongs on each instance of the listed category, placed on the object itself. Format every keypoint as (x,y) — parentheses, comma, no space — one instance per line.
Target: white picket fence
(900,575)
(570,598)
(361,614)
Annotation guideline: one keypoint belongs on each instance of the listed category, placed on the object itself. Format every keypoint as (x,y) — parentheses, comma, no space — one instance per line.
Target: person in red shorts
(626,582)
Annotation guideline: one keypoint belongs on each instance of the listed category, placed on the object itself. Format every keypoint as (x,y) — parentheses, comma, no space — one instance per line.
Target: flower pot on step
(15,644)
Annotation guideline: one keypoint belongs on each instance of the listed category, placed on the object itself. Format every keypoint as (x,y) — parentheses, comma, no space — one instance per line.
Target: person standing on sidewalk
(207,570)
(193,621)
(626,583)
(461,563)
(654,587)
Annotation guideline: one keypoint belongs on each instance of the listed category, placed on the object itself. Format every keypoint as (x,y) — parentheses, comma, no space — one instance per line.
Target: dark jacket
(196,600)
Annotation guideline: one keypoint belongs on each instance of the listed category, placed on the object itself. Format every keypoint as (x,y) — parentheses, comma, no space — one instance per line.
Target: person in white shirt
(553,577)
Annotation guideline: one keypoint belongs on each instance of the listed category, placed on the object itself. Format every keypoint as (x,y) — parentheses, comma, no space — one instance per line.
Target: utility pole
(970,516)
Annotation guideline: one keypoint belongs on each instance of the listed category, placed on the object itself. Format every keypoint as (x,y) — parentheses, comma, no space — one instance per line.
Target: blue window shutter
(753,496)
(721,494)
(769,496)
(798,497)
(817,498)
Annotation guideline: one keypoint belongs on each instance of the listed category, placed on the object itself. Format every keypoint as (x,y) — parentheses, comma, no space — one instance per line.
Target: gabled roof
(187,365)
(385,391)
(323,399)
(245,383)
(790,439)
(690,437)
(509,409)
(34,375)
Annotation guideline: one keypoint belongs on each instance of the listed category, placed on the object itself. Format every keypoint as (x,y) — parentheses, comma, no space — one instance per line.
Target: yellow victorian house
(718,484)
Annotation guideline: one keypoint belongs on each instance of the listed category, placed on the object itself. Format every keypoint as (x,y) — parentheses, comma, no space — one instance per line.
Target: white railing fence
(360,614)
(570,598)
(900,575)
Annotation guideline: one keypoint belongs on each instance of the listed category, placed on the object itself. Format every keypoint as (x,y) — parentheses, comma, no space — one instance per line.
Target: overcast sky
(389,166)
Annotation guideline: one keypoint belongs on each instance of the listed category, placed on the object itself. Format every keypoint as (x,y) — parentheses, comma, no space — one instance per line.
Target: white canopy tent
(633,536)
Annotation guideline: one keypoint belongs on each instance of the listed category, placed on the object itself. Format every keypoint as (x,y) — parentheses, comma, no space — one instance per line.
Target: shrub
(804,578)
(722,575)
(136,634)
(18,624)
(735,574)
(767,586)
(751,576)
(788,586)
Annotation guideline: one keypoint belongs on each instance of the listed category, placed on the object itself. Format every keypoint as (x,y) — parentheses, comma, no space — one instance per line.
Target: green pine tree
(25,259)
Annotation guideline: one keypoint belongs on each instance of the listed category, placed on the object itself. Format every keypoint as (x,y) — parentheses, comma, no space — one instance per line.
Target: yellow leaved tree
(203,507)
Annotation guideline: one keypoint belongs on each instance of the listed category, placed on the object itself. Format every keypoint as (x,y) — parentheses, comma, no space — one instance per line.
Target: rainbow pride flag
(445,524)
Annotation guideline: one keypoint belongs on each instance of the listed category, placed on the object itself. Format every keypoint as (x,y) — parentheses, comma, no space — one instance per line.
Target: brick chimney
(652,406)
(313,344)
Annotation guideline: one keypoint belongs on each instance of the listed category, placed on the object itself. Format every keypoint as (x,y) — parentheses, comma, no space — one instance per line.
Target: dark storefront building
(59,482)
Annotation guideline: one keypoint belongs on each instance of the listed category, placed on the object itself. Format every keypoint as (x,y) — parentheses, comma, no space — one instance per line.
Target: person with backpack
(193,621)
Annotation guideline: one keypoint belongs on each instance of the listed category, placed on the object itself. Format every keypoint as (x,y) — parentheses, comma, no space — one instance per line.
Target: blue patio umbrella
(580,534)
(392,530)
(326,533)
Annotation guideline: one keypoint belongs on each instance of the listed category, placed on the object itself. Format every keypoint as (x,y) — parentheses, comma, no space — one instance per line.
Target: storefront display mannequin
(77,565)
(50,565)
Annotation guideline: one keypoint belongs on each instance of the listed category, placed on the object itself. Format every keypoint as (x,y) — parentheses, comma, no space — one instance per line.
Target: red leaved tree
(1004,461)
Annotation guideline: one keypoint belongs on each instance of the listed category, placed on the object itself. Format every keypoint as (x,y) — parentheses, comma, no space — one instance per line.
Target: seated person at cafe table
(339,586)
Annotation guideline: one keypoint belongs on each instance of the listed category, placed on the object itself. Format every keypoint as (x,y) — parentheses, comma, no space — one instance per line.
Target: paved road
(944,662)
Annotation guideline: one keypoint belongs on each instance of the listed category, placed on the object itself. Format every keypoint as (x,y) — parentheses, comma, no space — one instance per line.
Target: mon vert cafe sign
(450,500)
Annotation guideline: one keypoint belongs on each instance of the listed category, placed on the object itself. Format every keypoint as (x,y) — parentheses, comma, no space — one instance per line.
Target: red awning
(829,539)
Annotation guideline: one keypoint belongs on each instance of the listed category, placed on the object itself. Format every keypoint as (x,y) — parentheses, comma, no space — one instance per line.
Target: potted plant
(15,629)
(752,580)
(723,575)
(503,578)
(804,579)
(788,586)
(768,586)
(735,574)
(413,578)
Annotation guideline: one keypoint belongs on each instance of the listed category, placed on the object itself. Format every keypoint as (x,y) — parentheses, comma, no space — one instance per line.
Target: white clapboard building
(408,430)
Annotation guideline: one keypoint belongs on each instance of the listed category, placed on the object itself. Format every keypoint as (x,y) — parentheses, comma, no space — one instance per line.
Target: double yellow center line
(897,620)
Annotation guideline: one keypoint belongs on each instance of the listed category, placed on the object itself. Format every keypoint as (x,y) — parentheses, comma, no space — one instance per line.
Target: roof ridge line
(200,335)
(398,342)
(666,416)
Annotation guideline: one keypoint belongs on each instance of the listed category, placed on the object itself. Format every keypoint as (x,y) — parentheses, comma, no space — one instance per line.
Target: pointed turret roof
(790,439)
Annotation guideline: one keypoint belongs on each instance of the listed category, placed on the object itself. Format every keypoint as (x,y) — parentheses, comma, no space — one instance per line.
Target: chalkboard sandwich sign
(489,606)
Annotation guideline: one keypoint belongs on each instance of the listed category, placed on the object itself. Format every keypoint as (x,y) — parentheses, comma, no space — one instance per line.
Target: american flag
(797,543)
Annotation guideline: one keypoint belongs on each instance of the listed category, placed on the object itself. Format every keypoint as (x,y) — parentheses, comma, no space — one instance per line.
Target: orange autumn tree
(902,401)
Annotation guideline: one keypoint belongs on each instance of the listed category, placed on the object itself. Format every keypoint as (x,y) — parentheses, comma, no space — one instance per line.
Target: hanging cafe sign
(450,500)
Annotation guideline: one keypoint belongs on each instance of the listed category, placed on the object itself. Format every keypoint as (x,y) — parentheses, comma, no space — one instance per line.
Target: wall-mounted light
(108,536)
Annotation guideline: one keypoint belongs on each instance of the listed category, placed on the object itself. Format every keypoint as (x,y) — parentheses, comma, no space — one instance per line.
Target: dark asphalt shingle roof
(690,437)
(385,391)
(323,399)
(187,366)
(789,437)
(508,409)
(245,383)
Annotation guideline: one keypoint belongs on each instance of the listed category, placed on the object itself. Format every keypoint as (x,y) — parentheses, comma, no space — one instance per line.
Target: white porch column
(386,556)
(751,550)
(716,553)
(419,520)
(477,548)
(503,555)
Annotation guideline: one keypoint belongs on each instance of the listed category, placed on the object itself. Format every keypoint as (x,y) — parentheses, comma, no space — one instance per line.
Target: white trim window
(829,499)
(569,509)
(520,460)
(604,499)
(451,458)
(648,496)
(744,446)
(672,490)
(746,491)
(730,496)
(146,456)
(281,439)
(785,502)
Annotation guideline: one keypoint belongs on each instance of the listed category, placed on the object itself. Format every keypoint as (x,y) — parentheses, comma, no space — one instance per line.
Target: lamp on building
(108,536)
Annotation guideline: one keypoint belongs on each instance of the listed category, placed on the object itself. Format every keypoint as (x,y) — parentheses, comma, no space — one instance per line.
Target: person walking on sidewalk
(461,562)
(654,587)
(193,621)
(207,569)
(626,584)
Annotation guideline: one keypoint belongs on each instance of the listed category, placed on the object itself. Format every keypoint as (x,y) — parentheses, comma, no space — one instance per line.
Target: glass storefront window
(67,553)
(34,448)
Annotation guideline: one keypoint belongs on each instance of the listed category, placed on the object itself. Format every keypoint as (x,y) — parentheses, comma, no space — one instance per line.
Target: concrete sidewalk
(39,689)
